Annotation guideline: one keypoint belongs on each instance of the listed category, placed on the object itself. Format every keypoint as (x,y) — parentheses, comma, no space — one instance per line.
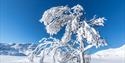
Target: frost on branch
(67,50)
(54,19)
(98,21)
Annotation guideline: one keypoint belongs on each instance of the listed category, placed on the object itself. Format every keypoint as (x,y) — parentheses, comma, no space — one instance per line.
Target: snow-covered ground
(12,59)
(116,55)
(108,59)
(23,59)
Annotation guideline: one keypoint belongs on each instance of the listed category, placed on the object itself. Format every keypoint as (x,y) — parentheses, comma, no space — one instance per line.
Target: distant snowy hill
(16,49)
(119,52)
(112,55)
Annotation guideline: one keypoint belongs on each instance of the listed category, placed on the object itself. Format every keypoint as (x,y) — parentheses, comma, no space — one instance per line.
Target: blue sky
(19,19)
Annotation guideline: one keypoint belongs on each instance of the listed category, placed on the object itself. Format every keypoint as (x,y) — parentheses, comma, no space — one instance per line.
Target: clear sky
(19,19)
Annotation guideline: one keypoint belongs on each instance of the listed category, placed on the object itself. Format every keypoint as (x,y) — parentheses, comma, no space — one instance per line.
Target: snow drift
(111,55)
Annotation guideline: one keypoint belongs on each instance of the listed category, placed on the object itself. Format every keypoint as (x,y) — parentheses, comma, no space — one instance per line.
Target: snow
(112,55)
(23,59)
(53,20)
(119,52)
(12,59)
(16,49)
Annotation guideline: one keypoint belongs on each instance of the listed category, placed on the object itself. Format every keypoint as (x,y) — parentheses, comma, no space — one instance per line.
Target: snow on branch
(97,21)
(57,17)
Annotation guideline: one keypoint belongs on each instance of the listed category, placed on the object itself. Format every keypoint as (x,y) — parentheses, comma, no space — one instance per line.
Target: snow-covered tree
(66,49)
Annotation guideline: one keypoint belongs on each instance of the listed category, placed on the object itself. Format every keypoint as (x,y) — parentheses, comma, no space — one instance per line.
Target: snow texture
(112,55)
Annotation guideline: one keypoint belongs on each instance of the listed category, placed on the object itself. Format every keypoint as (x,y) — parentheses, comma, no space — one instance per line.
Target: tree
(66,49)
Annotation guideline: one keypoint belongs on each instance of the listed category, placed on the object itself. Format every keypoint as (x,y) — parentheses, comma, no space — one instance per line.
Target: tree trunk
(81,57)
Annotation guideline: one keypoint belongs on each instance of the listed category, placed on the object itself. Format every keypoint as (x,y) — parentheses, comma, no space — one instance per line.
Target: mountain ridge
(16,49)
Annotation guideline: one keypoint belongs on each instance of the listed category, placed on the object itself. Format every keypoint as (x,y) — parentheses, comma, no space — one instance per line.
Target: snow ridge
(112,52)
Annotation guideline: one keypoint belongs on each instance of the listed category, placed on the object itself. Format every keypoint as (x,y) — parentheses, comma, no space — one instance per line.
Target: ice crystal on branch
(65,50)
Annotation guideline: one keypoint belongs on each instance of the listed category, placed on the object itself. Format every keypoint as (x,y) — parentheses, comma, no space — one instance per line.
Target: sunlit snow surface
(115,55)
(12,59)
